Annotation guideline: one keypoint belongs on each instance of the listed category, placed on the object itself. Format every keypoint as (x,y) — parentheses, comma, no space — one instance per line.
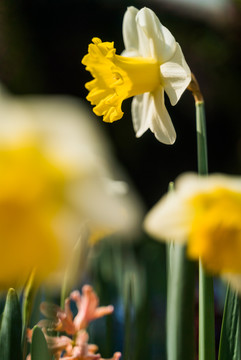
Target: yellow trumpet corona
(117,78)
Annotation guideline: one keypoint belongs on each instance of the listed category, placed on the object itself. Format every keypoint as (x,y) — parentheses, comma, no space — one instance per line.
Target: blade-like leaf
(229,347)
(11,329)
(180,305)
(39,348)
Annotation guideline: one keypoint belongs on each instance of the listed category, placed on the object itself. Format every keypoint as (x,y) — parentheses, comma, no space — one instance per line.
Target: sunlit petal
(155,40)
(176,76)
(130,35)
(161,124)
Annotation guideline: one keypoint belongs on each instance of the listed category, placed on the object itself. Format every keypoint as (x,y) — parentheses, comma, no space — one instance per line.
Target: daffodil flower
(204,213)
(56,179)
(151,63)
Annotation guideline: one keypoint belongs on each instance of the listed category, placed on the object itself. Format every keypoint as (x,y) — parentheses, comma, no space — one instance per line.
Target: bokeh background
(42,43)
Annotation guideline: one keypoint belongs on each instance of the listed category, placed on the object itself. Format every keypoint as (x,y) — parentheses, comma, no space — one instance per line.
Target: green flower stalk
(206,294)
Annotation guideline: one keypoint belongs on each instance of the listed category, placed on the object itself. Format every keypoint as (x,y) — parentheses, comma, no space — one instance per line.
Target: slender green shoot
(206,295)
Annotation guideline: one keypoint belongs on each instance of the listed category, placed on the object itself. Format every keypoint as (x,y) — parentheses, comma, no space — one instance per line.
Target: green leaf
(11,329)
(229,347)
(206,316)
(29,293)
(180,305)
(39,347)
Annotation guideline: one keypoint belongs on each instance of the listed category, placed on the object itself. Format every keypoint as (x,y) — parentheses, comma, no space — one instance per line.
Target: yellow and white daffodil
(204,213)
(151,63)
(55,177)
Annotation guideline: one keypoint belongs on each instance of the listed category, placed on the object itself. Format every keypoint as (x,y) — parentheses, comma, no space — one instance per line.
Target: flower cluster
(75,346)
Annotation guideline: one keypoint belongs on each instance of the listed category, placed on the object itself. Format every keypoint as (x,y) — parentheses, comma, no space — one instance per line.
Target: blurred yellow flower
(56,175)
(205,213)
(31,195)
(152,63)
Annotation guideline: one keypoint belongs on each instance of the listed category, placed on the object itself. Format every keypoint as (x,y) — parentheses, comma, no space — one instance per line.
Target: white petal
(175,75)
(169,219)
(234,280)
(129,30)
(142,113)
(107,208)
(155,40)
(172,217)
(131,53)
(190,184)
(161,124)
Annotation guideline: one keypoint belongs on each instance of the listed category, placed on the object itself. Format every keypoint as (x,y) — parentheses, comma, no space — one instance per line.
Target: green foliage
(10,335)
(229,347)
(39,348)
(180,305)
(206,295)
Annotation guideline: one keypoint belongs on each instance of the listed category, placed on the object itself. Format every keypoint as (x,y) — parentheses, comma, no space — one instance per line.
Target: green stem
(27,306)
(128,321)
(206,316)
(206,296)
(202,156)
(64,291)
(76,265)
(229,346)
(238,347)
(180,302)
(180,306)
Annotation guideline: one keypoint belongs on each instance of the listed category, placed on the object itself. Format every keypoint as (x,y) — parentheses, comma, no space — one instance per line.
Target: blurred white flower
(152,63)
(204,213)
(54,164)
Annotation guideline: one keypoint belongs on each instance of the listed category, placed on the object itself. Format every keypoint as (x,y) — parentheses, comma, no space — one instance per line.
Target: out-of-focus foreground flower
(205,213)
(56,174)
(152,63)
(75,347)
